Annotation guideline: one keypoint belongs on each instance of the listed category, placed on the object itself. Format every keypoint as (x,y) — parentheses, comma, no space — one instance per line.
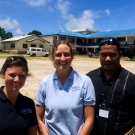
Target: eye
(113,55)
(66,54)
(12,75)
(22,76)
(58,54)
(103,55)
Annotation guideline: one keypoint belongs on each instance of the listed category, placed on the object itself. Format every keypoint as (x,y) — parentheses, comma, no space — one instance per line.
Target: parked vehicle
(35,51)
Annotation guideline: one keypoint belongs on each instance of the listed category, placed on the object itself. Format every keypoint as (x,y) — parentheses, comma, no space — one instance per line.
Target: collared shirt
(116,95)
(64,102)
(16,120)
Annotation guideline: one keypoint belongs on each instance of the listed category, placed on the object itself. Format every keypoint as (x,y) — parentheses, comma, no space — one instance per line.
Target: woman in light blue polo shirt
(65,97)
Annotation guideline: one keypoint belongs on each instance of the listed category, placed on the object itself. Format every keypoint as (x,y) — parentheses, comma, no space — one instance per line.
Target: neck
(63,75)
(12,96)
(109,74)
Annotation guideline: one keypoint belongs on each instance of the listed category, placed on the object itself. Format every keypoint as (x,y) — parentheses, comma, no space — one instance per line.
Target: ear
(72,58)
(120,54)
(2,76)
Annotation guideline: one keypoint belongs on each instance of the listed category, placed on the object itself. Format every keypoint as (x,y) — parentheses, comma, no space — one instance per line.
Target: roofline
(39,38)
(61,35)
(17,39)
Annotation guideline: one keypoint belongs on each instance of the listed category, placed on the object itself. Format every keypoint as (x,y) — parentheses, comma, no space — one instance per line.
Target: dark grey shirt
(117,95)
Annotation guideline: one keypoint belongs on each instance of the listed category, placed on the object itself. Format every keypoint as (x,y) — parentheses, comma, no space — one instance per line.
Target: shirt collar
(2,95)
(100,71)
(55,76)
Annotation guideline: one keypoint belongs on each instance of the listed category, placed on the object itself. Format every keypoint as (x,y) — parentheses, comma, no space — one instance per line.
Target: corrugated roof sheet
(38,38)
(16,38)
(128,32)
(116,33)
(65,33)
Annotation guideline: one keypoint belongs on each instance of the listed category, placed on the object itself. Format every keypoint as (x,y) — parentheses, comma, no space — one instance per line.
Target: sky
(23,16)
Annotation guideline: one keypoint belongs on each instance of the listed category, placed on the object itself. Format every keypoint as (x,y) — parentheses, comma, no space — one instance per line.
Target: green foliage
(35,32)
(5,35)
(8,35)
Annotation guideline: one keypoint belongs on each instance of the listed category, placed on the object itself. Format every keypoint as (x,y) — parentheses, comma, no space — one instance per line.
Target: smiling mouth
(63,63)
(15,85)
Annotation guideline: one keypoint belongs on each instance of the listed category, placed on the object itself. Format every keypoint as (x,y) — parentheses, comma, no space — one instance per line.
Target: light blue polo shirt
(64,103)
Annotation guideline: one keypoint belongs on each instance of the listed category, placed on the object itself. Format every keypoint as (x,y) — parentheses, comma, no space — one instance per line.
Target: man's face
(109,58)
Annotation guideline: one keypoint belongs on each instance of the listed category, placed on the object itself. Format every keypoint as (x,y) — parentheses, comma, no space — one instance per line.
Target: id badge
(103,113)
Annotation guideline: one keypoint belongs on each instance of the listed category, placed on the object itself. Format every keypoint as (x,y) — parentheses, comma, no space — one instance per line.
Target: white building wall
(49,38)
(19,45)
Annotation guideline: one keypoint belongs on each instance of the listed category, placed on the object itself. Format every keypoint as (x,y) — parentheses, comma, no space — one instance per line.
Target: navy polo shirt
(16,120)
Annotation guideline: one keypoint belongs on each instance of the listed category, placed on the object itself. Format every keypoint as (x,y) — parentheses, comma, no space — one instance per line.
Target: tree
(5,35)
(8,35)
(35,32)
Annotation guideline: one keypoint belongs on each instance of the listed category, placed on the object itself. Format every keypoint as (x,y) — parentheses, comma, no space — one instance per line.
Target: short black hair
(110,41)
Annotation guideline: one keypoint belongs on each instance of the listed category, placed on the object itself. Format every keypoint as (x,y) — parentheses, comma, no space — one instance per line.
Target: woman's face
(62,57)
(14,77)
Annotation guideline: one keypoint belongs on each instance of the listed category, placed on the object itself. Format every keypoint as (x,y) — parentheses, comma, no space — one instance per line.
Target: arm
(89,112)
(32,130)
(40,116)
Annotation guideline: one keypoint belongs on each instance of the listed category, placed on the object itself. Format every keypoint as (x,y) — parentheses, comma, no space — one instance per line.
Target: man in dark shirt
(115,92)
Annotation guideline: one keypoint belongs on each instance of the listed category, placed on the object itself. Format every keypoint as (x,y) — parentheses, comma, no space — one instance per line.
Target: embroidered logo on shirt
(26,111)
(74,88)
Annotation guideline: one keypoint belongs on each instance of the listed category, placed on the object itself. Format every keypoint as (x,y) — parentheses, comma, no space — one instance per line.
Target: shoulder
(25,100)
(129,78)
(81,76)
(128,73)
(93,72)
(48,78)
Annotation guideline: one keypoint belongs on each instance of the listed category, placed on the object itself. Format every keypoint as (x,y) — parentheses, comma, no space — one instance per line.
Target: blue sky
(23,16)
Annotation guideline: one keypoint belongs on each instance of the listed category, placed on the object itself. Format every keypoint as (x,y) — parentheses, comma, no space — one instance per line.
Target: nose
(108,58)
(16,78)
(63,57)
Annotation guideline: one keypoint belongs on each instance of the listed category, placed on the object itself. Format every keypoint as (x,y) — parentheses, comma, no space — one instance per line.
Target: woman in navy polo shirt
(66,97)
(17,112)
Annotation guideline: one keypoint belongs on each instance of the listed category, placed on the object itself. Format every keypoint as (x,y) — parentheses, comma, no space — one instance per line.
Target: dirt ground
(40,68)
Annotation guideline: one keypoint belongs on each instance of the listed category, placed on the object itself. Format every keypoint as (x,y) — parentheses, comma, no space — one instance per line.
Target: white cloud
(85,21)
(37,2)
(50,9)
(19,32)
(8,23)
(63,6)
(107,11)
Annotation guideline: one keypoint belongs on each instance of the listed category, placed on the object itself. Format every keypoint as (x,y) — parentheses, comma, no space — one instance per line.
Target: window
(24,45)
(55,38)
(89,40)
(33,49)
(121,39)
(33,45)
(79,40)
(41,46)
(130,39)
(38,50)
(99,40)
(62,38)
(12,46)
(43,50)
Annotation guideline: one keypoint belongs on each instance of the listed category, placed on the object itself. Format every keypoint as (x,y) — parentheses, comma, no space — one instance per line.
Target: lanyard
(105,93)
